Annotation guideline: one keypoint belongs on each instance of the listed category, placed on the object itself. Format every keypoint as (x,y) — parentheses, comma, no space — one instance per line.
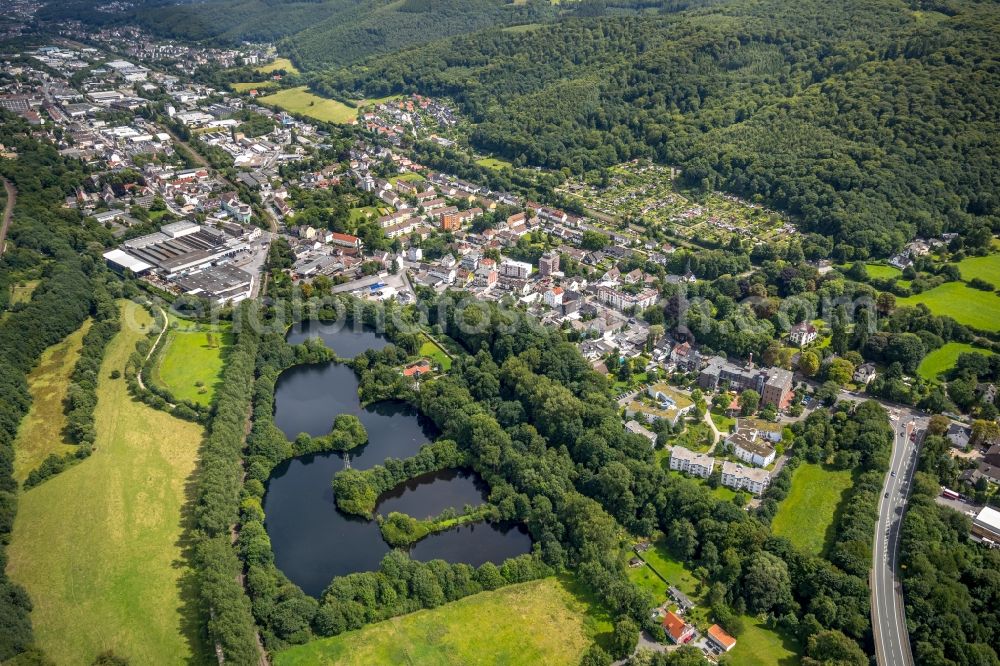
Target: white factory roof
(989,518)
(125,260)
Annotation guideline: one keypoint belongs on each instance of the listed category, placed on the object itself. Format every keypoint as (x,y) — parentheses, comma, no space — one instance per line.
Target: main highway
(892,640)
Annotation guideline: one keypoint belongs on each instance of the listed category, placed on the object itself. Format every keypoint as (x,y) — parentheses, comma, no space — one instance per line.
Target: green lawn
(365,212)
(435,353)
(494,163)
(760,646)
(882,271)
(40,433)
(696,437)
(671,569)
(409,177)
(252,85)
(806,515)
(944,358)
(101,547)
(539,622)
(193,354)
(279,63)
(985,268)
(723,493)
(979,309)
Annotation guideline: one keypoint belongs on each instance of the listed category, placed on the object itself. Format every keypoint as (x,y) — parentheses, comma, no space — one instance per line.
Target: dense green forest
(871,121)
(951,584)
(316,33)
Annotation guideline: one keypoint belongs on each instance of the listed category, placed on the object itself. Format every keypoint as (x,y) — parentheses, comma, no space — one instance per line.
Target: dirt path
(8,213)
(152,348)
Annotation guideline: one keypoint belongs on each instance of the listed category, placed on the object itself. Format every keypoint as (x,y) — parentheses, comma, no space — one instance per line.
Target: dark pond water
(429,494)
(312,541)
(345,339)
(474,544)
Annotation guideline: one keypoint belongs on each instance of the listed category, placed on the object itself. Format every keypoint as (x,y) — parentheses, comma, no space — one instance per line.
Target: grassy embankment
(100,547)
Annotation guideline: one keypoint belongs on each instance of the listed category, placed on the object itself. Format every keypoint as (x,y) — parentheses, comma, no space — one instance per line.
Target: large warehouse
(177,247)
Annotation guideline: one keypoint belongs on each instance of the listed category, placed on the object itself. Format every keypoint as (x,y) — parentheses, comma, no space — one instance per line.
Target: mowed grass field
(979,309)
(806,514)
(494,163)
(985,268)
(943,359)
(760,646)
(252,85)
(279,63)
(193,354)
(100,547)
(432,351)
(40,433)
(882,271)
(300,100)
(539,622)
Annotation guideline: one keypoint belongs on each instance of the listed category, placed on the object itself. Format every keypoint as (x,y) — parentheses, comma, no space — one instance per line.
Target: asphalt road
(892,640)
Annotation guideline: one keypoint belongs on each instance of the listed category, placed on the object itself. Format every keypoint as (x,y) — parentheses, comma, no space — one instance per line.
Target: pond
(429,494)
(312,540)
(475,544)
(345,339)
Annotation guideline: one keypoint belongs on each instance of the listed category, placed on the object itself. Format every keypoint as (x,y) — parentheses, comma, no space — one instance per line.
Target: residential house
(738,477)
(720,639)
(802,334)
(678,630)
(696,464)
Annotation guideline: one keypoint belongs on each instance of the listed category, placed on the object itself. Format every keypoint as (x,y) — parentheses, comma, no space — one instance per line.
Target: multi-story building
(773,384)
(621,300)
(696,464)
(750,447)
(738,477)
(515,269)
(548,264)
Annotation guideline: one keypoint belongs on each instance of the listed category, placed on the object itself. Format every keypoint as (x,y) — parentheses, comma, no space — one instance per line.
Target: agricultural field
(972,307)
(539,622)
(190,363)
(943,358)
(101,547)
(759,645)
(279,63)
(40,433)
(985,268)
(806,515)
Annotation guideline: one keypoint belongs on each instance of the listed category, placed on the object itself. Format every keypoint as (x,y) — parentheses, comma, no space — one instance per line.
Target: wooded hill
(873,122)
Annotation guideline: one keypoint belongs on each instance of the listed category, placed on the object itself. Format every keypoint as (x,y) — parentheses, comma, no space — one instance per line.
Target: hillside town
(216,196)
